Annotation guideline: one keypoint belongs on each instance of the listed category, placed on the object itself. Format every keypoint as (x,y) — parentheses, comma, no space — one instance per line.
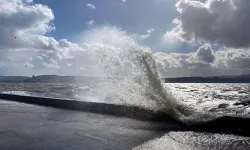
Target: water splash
(130,74)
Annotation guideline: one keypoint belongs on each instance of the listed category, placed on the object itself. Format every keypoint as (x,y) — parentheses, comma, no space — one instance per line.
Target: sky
(186,37)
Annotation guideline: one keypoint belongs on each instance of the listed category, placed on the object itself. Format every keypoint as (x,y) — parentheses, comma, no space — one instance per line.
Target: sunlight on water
(196,141)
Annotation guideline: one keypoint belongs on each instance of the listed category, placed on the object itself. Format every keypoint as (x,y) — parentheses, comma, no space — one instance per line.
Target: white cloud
(23,26)
(223,22)
(1,64)
(123,2)
(68,65)
(91,6)
(204,62)
(150,30)
(91,22)
(176,34)
(145,36)
(82,68)
(233,58)
(220,21)
(203,57)
(19,21)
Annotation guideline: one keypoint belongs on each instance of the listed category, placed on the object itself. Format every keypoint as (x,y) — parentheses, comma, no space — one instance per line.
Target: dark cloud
(221,21)
(205,54)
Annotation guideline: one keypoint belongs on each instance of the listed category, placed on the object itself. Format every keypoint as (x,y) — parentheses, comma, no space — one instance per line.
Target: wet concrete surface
(29,127)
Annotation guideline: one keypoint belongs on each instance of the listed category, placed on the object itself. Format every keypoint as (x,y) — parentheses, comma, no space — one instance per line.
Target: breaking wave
(129,73)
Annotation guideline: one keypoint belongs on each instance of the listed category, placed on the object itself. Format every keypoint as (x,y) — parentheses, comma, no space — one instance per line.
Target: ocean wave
(130,73)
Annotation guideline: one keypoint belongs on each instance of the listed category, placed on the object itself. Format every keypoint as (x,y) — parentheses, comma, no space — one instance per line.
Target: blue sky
(133,16)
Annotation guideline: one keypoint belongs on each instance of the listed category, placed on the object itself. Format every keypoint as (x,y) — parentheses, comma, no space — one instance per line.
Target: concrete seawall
(225,124)
(102,108)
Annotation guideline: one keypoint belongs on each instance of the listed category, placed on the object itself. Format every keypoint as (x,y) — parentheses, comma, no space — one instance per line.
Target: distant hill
(50,78)
(216,79)
(47,78)
(56,78)
(13,78)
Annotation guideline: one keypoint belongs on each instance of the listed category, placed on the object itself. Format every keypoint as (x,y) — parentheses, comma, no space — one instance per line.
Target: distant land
(13,78)
(56,78)
(215,79)
(46,78)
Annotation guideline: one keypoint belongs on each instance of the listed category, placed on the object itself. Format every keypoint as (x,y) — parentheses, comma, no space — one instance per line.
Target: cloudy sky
(186,37)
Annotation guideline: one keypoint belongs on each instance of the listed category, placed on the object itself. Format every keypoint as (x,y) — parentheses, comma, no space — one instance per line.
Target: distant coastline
(215,79)
(46,78)
(56,78)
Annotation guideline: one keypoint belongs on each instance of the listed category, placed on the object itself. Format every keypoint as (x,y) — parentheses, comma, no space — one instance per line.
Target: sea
(233,99)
